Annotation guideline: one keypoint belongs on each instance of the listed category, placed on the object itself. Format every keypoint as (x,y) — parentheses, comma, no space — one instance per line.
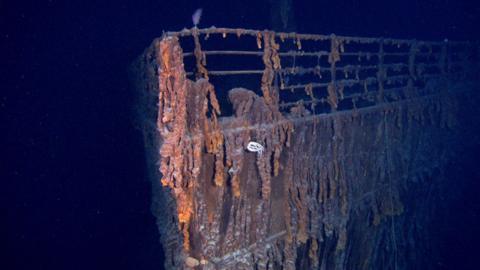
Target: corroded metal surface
(345,186)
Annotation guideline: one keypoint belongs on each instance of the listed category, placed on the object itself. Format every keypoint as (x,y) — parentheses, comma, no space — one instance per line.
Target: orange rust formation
(271,60)
(201,60)
(327,190)
(182,102)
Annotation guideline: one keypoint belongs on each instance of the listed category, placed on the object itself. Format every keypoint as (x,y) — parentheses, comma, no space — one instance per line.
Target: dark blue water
(74,193)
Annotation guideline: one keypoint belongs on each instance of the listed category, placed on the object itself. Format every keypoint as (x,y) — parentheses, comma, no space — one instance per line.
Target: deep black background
(73,188)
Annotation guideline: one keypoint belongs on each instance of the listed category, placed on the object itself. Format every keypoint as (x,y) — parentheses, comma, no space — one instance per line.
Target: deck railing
(321,73)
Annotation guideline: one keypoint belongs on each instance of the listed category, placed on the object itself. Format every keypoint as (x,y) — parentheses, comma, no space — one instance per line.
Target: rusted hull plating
(327,192)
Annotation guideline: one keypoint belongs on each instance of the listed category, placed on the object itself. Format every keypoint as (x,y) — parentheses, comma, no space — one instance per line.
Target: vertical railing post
(381,74)
(467,57)
(443,59)
(411,69)
(201,59)
(411,59)
(333,57)
(271,60)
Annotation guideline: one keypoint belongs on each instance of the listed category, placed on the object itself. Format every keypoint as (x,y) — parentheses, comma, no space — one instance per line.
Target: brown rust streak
(171,123)
(184,107)
(271,60)
(200,57)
